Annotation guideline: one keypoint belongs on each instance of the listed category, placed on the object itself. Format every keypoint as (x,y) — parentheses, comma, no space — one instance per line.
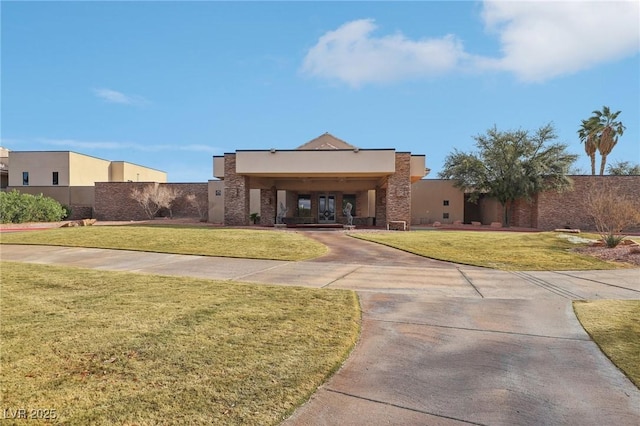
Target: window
(445,202)
(445,215)
(55,178)
(25,178)
(304,205)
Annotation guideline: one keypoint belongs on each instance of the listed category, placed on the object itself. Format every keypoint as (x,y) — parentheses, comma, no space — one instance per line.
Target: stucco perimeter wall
(566,209)
(79,198)
(113,200)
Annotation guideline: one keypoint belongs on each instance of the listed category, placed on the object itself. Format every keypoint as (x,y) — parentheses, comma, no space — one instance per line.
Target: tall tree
(621,168)
(601,131)
(510,166)
(589,136)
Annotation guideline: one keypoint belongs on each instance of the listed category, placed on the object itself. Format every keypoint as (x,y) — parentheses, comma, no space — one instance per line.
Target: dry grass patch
(121,348)
(615,327)
(244,243)
(524,251)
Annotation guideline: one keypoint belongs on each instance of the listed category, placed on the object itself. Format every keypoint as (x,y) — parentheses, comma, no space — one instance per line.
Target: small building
(313,183)
(4,168)
(70,177)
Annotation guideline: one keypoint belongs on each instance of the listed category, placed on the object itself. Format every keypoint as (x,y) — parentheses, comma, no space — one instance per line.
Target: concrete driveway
(441,343)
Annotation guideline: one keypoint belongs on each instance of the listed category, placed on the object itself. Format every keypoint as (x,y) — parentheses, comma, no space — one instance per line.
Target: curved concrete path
(441,344)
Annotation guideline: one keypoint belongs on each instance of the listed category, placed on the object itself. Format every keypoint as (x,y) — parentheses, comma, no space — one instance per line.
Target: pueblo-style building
(313,183)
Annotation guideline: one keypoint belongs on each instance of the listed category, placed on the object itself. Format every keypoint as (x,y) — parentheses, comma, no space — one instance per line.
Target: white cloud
(113,96)
(351,54)
(88,145)
(539,40)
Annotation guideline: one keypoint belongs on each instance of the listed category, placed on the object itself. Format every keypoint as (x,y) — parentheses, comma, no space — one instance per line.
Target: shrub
(153,197)
(200,203)
(612,211)
(67,211)
(16,207)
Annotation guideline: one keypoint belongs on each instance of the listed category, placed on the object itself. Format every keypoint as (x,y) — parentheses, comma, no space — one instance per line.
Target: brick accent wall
(268,202)
(183,208)
(113,200)
(399,190)
(566,209)
(236,194)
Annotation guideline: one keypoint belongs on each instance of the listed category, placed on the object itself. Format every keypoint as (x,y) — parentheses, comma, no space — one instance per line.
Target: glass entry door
(326,208)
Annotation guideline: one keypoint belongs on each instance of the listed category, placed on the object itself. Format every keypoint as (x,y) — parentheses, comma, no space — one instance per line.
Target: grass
(615,327)
(244,243)
(120,348)
(509,251)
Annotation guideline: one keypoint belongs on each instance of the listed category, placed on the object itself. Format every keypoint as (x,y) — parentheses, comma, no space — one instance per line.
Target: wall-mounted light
(356,150)
(273,150)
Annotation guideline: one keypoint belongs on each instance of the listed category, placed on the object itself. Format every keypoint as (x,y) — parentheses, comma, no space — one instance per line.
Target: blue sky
(170,84)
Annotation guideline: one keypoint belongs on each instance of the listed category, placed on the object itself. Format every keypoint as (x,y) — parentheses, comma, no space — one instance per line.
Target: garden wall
(113,200)
(567,209)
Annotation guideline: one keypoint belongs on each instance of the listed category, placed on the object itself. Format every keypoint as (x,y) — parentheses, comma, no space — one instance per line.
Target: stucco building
(70,177)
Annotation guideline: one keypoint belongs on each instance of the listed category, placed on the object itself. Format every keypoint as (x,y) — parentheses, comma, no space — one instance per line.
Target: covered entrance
(313,183)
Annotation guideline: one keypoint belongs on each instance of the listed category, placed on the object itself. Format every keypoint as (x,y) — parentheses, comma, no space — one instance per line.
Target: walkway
(441,344)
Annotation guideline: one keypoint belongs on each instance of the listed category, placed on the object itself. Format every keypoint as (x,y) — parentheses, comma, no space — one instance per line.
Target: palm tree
(600,132)
(589,136)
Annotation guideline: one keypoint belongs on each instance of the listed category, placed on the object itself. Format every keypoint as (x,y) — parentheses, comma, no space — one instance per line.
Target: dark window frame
(55,178)
(25,178)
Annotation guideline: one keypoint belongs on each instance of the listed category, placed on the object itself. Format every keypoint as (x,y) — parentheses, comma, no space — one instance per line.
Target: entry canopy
(325,158)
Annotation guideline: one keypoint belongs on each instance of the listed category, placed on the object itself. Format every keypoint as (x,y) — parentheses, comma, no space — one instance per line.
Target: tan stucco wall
(308,163)
(60,194)
(218,167)
(427,202)
(86,171)
(40,166)
(122,171)
(216,201)
(418,167)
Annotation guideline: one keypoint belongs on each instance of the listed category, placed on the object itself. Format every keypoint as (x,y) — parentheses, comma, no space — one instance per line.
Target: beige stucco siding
(418,167)
(40,166)
(428,198)
(216,201)
(218,167)
(122,171)
(316,163)
(86,171)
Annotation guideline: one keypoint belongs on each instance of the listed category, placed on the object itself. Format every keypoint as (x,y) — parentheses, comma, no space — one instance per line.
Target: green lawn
(615,327)
(245,243)
(120,348)
(499,250)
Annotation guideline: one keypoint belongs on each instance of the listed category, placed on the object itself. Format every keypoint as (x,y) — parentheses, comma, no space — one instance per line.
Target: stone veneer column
(236,194)
(399,190)
(268,202)
(381,207)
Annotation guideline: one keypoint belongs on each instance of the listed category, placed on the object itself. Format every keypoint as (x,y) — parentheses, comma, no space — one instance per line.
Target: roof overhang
(320,165)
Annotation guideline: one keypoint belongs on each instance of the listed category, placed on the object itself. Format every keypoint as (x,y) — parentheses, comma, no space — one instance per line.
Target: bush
(67,211)
(611,210)
(19,208)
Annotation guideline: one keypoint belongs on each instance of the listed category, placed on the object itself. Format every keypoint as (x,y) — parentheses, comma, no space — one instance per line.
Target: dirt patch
(625,253)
